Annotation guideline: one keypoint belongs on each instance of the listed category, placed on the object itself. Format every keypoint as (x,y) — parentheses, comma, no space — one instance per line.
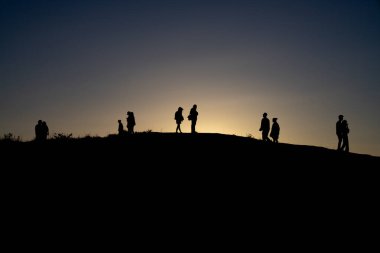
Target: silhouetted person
(178,119)
(38,129)
(45,131)
(345,130)
(120,129)
(275,132)
(265,127)
(131,122)
(193,116)
(339,131)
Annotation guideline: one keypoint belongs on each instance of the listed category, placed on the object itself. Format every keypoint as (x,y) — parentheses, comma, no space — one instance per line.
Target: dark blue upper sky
(80,65)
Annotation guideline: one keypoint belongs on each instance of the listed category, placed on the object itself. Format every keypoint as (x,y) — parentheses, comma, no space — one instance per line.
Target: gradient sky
(81,65)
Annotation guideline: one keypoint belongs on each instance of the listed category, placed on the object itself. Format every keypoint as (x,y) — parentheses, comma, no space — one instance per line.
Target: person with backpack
(131,122)
(193,116)
(275,131)
(178,119)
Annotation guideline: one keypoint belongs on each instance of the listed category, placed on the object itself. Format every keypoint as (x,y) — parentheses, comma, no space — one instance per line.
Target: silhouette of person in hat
(275,132)
(131,122)
(265,127)
(178,119)
(339,131)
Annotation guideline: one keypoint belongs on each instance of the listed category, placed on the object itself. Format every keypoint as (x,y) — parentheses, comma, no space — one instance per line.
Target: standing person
(193,116)
(345,130)
(131,122)
(45,130)
(275,132)
(265,127)
(120,128)
(339,131)
(178,119)
(38,129)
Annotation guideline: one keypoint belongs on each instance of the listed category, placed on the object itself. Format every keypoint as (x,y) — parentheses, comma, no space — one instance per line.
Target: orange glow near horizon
(228,113)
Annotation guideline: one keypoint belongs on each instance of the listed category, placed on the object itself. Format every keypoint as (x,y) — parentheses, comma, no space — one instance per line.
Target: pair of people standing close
(193,116)
(41,131)
(342,131)
(265,128)
(130,124)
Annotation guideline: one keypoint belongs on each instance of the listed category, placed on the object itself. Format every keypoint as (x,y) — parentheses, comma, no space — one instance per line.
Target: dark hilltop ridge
(152,172)
(202,151)
(150,181)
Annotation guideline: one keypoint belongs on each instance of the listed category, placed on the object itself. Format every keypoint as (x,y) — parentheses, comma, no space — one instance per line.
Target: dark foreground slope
(165,164)
(202,183)
(150,162)
(167,150)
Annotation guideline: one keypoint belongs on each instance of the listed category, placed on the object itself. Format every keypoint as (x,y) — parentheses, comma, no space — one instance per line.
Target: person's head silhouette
(180,109)
(274,119)
(265,114)
(340,117)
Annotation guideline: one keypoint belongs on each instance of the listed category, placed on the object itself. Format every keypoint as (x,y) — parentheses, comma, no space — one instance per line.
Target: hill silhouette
(151,165)
(170,150)
(182,177)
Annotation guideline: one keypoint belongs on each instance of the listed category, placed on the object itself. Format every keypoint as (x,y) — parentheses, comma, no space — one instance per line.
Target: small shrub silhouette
(146,131)
(62,136)
(11,138)
(251,136)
